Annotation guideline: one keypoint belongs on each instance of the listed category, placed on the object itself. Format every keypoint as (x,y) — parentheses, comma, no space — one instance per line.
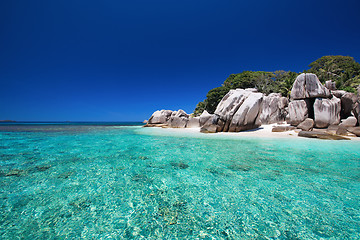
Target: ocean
(123,181)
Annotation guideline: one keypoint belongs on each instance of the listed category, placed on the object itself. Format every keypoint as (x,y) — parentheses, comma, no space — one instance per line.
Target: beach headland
(313,110)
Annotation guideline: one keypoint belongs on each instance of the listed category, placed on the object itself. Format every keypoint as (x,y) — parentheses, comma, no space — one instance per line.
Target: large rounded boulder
(307,85)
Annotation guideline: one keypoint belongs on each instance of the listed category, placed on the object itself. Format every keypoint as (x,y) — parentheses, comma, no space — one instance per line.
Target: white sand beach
(264,131)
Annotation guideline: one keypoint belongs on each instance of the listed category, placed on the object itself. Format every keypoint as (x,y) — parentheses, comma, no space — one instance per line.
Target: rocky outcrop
(282,128)
(330,85)
(238,110)
(248,115)
(354,130)
(307,85)
(209,128)
(160,117)
(205,118)
(327,112)
(194,122)
(273,108)
(306,125)
(298,112)
(321,135)
(312,105)
(178,119)
(338,93)
(349,122)
(348,101)
(356,111)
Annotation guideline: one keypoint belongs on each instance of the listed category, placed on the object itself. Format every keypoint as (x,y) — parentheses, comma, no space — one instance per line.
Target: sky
(114,60)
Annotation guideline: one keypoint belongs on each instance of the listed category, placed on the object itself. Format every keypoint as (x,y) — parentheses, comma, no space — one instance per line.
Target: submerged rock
(15,172)
(179,165)
(307,85)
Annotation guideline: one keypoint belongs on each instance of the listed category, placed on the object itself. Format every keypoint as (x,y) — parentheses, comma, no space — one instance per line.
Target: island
(304,105)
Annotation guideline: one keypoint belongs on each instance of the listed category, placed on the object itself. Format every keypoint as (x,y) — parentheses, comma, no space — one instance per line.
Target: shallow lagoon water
(128,182)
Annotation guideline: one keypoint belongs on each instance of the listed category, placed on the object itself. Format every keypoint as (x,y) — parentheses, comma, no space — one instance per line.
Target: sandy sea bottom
(111,182)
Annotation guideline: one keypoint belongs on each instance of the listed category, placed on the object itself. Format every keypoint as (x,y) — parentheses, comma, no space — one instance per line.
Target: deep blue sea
(110,181)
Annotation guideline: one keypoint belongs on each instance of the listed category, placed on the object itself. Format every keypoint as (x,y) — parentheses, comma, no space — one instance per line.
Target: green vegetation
(345,71)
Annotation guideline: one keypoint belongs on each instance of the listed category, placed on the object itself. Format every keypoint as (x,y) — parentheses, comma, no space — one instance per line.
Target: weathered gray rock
(338,93)
(307,85)
(273,108)
(160,117)
(349,122)
(327,112)
(230,104)
(321,135)
(205,118)
(330,85)
(356,111)
(298,112)
(194,122)
(348,101)
(248,115)
(306,125)
(342,130)
(178,119)
(332,129)
(162,125)
(208,128)
(238,110)
(282,128)
(354,130)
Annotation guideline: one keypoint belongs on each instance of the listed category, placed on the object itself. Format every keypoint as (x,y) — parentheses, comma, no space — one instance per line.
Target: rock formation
(205,118)
(248,114)
(273,108)
(330,85)
(306,125)
(178,119)
(238,110)
(348,101)
(194,122)
(298,111)
(160,117)
(327,112)
(307,85)
(312,106)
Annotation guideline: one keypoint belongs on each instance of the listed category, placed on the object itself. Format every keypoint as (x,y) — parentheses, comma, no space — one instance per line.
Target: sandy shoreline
(264,131)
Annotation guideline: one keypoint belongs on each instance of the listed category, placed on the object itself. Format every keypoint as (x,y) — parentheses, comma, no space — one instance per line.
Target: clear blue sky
(121,60)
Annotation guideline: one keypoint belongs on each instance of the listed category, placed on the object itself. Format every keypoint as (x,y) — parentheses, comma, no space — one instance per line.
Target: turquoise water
(127,182)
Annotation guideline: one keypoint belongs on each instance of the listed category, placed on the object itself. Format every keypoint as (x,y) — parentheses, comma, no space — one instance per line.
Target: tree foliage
(345,71)
(266,82)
